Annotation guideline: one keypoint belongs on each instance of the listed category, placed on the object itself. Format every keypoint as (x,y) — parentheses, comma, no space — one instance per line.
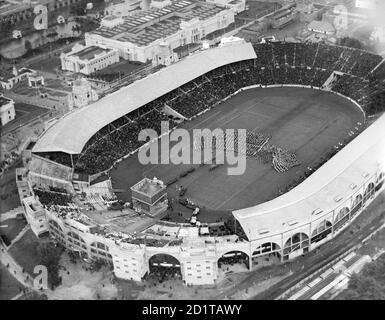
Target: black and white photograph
(192,157)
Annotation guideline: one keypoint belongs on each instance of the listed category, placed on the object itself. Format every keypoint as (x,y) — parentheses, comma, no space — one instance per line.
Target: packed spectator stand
(277,63)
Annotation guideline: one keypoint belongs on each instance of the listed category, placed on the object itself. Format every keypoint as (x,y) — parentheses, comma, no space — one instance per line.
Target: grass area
(307,122)
(24,112)
(9,286)
(10,228)
(25,251)
(9,198)
(50,64)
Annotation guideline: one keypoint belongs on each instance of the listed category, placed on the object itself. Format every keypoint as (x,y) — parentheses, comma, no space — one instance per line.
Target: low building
(7,110)
(88,59)
(164,56)
(149,196)
(137,37)
(283,17)
(82,93)
(35,80)
(322,27)
(237,5)
(12,76)
(35,215)
(123,9)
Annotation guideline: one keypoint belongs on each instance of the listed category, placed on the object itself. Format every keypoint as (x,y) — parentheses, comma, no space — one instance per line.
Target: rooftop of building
(322,26)
(149,187)
(148,26)
(4,101)
(89,53)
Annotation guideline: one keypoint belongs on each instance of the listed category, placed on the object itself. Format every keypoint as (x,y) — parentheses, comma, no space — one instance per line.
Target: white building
(137,37)
(123,9)
(160,4)
(35,215)
(88,59)
(11,77)
(7,110)
(82,93)
(237,5)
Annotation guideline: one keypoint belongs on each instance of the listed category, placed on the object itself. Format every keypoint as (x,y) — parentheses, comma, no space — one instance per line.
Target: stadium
(315,160)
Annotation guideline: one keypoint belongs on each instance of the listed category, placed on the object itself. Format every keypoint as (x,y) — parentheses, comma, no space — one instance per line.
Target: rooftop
(90,52)
(149,187)
(4,101)
(147,26)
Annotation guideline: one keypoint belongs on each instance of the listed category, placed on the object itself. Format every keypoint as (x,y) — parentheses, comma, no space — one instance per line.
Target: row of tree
(369,284)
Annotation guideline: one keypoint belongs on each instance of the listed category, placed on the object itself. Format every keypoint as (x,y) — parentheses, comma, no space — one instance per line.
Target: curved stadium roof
(332,181)
(72,132)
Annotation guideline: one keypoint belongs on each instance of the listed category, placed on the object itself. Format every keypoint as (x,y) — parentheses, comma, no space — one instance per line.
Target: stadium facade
(286,227)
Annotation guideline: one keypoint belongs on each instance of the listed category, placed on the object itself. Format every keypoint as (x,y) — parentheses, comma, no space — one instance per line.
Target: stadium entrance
(234,261)
(163,267)
(266,254)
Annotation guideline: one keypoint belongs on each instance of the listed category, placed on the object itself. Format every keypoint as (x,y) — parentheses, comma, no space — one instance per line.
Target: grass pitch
(306,121)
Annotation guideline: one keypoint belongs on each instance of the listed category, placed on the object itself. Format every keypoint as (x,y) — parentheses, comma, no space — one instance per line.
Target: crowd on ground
(57,201)
(233,259)
(277,63)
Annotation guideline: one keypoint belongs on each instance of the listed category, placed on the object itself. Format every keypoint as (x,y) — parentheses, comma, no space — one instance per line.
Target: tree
(351,43)
(369,284)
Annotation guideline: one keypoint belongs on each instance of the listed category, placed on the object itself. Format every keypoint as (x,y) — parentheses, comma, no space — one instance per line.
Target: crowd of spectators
(277,63)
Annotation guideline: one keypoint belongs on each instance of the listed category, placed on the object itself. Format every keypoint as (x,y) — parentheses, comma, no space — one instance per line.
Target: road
(316,261)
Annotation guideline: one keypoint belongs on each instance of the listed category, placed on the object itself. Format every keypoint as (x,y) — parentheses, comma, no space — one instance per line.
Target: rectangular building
(88,59)
(139,36)
(7,110)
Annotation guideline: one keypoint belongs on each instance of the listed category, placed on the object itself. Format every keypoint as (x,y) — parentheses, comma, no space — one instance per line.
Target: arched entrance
(232,260)
(298,241)
(356,205)
(266,254)
(369,192)
(164,267)
(342,218)
(321,232)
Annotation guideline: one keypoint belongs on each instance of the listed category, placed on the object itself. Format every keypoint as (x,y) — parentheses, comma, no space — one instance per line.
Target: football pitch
(305,121)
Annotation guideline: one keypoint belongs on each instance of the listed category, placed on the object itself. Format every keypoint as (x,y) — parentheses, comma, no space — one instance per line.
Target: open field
(305,121)
(10,228)
(9,286)
(24,113)
(25,251)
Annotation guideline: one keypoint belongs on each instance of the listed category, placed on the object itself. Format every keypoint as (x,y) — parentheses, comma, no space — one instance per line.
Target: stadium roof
(324,190)
(72,132)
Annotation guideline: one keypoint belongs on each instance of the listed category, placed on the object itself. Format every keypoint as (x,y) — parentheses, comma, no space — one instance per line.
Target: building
(7,110)
(88,59)
(35,215)
(35,80)
(149,196)
(123,9)
(283,17)
(82,93)
(378,35)
(137,37)
(321,27)
(164,56)
(13,76)
(237,5)
(13,12)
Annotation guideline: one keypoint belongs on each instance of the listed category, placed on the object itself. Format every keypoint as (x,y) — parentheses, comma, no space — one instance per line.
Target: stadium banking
(227,147)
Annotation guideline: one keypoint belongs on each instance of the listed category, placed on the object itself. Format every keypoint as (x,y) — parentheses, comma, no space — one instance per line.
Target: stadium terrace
(89,142)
